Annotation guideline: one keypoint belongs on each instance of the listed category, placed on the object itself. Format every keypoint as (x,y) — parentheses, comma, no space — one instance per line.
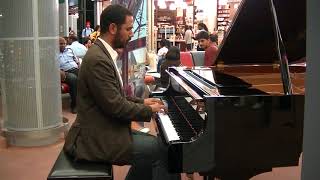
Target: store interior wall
(210,13)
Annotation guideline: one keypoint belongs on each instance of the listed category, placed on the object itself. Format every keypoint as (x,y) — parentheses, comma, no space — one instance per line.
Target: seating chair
(198,57)
(67,169)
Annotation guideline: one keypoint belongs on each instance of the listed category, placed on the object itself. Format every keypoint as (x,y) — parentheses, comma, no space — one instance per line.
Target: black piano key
(185,119)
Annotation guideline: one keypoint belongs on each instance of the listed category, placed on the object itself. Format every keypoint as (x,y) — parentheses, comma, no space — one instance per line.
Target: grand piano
(244,115)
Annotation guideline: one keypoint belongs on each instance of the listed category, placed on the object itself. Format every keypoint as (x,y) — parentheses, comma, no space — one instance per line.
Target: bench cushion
(66,168)
(65,88)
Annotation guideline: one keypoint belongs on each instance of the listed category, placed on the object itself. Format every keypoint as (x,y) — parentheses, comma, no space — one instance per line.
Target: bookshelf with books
(170,25)
(166,32)
(223,15)
(165,21)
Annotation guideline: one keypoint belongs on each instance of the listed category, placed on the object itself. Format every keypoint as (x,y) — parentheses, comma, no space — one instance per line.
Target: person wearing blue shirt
(87,30)
(68,70)
(78,49)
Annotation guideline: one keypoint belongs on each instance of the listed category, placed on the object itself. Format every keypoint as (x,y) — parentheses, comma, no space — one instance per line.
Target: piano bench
(66,169)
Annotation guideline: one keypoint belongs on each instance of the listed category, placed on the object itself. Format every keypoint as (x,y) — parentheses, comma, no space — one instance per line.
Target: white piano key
(168,128)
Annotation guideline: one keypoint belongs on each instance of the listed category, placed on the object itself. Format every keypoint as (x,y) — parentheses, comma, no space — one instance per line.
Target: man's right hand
(156,107)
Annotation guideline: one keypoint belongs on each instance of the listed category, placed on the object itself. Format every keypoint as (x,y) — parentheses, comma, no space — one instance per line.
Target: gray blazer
(102,130)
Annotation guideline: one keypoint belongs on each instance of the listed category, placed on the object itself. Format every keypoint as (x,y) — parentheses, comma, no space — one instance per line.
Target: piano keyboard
(170,132)
(182,123)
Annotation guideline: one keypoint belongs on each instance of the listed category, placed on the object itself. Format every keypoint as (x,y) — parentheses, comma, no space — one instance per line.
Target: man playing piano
(102,130)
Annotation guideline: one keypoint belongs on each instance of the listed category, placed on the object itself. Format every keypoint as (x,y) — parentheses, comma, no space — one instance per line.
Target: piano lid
(251,39)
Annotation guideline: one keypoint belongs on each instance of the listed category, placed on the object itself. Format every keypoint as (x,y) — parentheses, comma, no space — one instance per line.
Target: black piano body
(250,123)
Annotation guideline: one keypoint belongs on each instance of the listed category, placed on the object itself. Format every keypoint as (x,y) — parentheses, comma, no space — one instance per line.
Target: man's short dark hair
(214,38)
(85,40)
(73,38)
(173,54)
(163,42)
(113,14)
(96,28)
(202,35)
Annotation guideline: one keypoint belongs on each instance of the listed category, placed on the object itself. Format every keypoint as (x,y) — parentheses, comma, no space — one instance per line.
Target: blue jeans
(150,159)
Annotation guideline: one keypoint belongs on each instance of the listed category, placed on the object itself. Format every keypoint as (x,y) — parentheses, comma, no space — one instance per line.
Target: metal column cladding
(30,84)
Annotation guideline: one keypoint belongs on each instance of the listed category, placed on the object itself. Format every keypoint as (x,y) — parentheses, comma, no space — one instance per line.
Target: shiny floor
(19,163)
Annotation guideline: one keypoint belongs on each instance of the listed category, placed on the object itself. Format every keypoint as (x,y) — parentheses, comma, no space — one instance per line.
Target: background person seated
(214,39)
(68,71)
(87,43)
(210,48)
(95,34)
(164,45)
(201,27)
(172,59)
(78,49)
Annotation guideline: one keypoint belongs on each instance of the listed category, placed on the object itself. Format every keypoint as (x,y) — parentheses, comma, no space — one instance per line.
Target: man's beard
(118,43)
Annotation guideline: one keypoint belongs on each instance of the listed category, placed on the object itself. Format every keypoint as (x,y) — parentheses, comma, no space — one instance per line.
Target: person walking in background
(210,48)
(188,38)
(87,30)
(101,131)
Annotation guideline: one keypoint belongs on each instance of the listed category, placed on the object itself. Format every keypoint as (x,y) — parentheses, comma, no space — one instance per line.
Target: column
(29,76)
(311,132)
(97,11)
(151,40)
(63,18)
